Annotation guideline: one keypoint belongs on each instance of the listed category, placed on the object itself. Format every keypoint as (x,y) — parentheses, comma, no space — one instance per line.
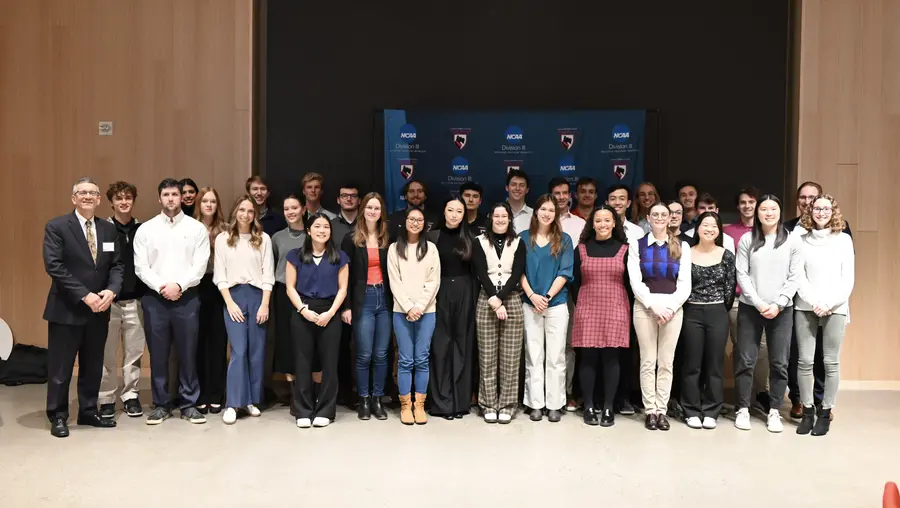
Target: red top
(736,231)
(374,274)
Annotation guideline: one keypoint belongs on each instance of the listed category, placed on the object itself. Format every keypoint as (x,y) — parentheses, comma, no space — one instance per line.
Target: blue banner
(446,149)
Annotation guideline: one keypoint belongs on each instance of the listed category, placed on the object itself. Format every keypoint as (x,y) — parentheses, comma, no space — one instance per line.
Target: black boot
(364,412)
(823,423)
(378,410)
(809,419)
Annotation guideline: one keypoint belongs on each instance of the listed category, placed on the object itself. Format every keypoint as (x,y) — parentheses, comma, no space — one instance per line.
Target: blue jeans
(373,332)
(414,344)
(248,349)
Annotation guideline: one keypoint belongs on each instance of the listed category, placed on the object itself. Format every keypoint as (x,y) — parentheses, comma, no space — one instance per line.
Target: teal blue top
(541,268)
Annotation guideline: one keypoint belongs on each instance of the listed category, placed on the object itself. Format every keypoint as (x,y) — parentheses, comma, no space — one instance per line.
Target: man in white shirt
(517,189)
(619,197)
(707,203)
(171,252)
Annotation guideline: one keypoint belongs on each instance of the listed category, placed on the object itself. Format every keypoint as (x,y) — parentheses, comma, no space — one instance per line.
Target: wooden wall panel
(849,141)
(175,77)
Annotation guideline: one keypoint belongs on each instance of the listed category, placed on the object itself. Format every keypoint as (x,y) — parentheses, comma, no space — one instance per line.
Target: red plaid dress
(602,315)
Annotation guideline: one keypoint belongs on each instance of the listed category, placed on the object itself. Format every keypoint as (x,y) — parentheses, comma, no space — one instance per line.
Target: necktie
(92,243)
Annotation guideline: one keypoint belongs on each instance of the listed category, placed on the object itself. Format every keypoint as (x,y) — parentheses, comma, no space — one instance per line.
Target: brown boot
(406,414)
(419,410)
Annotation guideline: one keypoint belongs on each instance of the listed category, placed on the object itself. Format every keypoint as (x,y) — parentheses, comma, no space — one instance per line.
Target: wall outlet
(105,128)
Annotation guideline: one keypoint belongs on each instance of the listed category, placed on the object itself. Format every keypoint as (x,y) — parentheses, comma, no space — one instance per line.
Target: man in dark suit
(81,257)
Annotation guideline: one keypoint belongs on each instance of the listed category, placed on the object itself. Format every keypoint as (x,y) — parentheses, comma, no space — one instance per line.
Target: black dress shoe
(590,417)
(449,417)
(107,411)
(607,418)
(364,408)
(215,408)
(460,415)
(662,423)
(377,409)
(650,421)
(96,421)
(554,415)
(58,428)
(203,408)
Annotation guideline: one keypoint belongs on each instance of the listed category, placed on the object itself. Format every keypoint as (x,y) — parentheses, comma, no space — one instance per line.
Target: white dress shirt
(82,221)
(727,241)
(573,225)
(521,220)
(243,263)
(171,249)
(642,293)
(633,232)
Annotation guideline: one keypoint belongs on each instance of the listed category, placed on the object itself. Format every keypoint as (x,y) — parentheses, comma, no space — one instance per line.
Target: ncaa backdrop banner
(446,149)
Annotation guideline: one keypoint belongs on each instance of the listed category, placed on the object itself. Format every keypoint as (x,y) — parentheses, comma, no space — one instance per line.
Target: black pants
(818,370)
(212,344)
(778,339)
(320,345)
(346,364)
(627,372)
(167,323)
(64,342)
(590,361)
(704,335)
(452,347)
(284,342)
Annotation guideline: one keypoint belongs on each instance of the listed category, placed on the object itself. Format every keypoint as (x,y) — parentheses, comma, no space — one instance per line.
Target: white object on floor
(694,422)
(505,418)
(304,423)
(709,423)
(253,410)
(6,340)
(773,422)
(229,416)
(490,417)
(742,419)
(321,422)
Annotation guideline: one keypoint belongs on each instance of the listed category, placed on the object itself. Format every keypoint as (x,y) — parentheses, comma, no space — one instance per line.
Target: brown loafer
(662,423)
(796,411)
(650,421)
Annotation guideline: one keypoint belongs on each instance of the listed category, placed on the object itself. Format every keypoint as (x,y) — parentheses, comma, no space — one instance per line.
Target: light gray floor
(267,461)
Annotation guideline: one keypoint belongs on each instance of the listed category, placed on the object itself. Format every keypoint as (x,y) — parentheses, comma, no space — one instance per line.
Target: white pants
(126,326)
(545,357)
(570,351)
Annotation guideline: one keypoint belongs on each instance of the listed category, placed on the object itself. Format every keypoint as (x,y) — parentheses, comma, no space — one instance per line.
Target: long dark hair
(618,232)
(759,238)
(464,245)
(331,252)
(510,234)
(719,239)
(403,237)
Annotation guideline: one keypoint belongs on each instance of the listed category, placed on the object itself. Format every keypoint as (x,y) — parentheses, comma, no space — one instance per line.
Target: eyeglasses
(413,220)
(679,212)
(83,193)
(657,215)
(353,196)
(822,209)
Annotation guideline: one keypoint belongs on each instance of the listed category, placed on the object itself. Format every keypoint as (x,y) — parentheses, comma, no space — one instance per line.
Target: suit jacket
(67,259)
(359,273)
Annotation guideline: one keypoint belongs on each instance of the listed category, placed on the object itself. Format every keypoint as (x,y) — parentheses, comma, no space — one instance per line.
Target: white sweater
(243,263)
(828,273)
(414,283)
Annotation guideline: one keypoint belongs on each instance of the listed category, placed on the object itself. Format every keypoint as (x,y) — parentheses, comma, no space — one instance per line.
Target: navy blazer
(67,259)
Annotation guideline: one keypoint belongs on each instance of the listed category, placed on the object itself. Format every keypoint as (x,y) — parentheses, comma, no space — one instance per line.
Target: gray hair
(83,179)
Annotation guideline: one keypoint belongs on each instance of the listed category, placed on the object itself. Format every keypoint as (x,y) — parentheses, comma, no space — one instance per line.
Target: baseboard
(870,385)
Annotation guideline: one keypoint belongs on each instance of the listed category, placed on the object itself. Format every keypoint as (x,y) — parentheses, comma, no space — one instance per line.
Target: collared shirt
(522,219)
(171,249)
(639,267)
(82,221)
(572,225)
(327,213)
(340,227)
(633,232)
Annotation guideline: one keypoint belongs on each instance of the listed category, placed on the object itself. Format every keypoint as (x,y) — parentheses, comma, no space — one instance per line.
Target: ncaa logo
(408,133)
(567,164)
(621,134)
(514,134)
(459,166)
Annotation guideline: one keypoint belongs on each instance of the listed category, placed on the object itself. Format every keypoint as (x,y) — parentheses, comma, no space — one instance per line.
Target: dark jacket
(359,271)
(132,286)
(73,274)
(272,222)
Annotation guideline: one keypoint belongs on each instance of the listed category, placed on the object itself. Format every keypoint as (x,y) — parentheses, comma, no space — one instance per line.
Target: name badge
(109,246)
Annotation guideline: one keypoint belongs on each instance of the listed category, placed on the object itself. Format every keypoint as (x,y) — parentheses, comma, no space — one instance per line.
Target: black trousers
(64,343)
(319,345)
(346,364)
(590,362)
(167,323)
(704,334)
(628,374)
(818,370)
(283,361)
(212,344)
(778,340)
(453,347)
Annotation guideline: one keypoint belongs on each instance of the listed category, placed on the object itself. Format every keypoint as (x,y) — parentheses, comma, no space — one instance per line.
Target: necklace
(294,235)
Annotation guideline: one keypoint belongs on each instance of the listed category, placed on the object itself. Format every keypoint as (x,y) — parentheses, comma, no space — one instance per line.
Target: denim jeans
(414,345)
(244,384)
(373,337)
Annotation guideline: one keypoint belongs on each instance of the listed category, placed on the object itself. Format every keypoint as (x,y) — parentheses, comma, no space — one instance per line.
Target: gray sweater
(769,275)
(282,243)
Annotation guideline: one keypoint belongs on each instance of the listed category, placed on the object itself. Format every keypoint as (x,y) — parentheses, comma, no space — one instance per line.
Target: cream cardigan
(414,283)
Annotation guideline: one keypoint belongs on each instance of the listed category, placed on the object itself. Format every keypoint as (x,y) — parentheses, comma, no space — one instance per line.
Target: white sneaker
(505,418)
(694,422)
(773,423)
(253,410)
(709,423)
(304,423)
(742,419)
(229,416)
(490,417)
(320,421)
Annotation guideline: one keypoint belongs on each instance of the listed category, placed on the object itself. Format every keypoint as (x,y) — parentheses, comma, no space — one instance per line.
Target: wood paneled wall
(849,141)
(175,77)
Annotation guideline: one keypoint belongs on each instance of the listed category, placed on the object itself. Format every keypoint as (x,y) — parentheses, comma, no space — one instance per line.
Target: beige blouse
(414,283)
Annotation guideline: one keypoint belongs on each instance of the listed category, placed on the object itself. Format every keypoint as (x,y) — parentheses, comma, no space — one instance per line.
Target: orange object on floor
(891,498)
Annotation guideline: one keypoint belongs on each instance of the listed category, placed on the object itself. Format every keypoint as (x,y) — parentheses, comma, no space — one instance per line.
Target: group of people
(465,295)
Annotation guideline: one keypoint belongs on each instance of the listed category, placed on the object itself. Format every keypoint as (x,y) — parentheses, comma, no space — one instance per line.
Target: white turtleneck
(828,271)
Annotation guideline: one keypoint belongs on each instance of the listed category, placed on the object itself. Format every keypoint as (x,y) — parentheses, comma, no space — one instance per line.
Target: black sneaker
(133,408)
(107,410)
(627,409)
(192,415)
(158,415)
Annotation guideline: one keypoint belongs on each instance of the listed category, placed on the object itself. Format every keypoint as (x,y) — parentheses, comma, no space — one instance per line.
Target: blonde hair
(256,230)
(836,224)
(311,177)
(361,231)
(673,241)
(218,222)
(637,211)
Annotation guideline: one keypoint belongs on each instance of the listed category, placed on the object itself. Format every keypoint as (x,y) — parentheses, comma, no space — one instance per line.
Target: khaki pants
(657,344)
(761,371)
(126,326)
